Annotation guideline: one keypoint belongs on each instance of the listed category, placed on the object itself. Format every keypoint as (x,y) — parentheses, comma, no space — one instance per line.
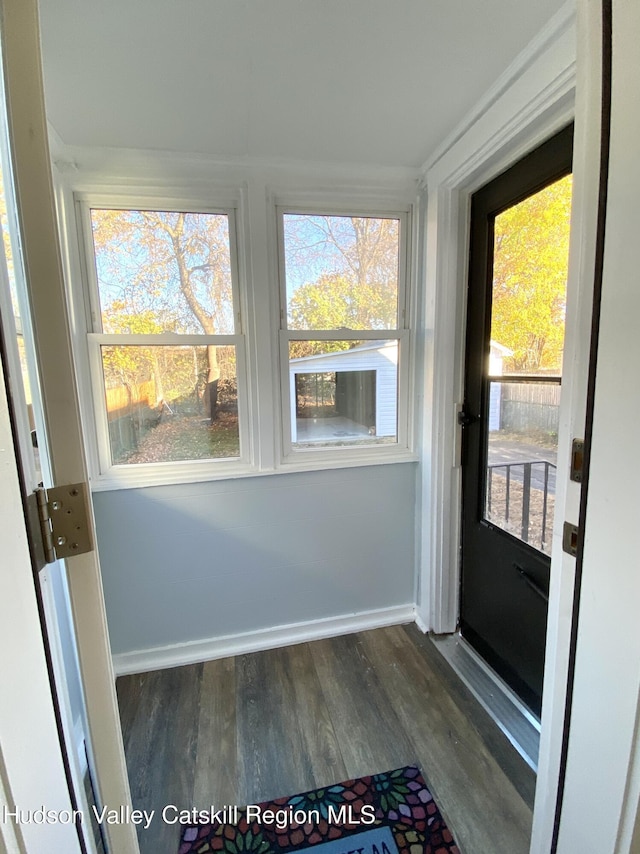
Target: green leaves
(338,302)
(341,272)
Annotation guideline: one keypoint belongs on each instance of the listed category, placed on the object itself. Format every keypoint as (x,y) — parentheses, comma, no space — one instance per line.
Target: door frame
(46,289)
(488,551)
(536,101)
(556,80)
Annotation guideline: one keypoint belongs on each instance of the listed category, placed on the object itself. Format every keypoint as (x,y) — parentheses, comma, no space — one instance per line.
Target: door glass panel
(521,466)
(531,246)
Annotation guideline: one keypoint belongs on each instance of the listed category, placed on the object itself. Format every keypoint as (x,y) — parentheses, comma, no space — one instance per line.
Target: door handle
(531,582)
(465,418)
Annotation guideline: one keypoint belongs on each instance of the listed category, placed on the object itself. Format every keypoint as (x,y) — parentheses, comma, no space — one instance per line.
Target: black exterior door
(514,339)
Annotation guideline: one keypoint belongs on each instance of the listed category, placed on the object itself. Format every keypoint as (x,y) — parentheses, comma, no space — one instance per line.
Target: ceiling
(351,81)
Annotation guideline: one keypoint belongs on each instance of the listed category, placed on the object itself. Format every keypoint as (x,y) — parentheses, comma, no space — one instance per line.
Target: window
(343,339)
(168,390)
(165,348)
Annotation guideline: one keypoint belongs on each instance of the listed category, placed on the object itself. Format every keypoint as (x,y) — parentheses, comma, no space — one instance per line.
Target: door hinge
(64,520)
(577,460)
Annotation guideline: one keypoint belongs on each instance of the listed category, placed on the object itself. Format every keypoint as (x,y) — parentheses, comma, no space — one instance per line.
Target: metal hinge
(64,520)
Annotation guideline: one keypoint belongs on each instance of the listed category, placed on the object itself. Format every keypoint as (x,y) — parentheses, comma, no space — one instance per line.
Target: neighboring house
(363,382)
(497,355)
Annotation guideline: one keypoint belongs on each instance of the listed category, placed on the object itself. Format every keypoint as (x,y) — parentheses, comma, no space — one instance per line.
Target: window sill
(310,459)
(171,473)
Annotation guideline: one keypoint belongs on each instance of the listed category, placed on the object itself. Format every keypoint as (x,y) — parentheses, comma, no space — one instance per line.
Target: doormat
(390,813)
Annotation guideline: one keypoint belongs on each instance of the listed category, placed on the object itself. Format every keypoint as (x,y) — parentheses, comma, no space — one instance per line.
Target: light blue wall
(197,561)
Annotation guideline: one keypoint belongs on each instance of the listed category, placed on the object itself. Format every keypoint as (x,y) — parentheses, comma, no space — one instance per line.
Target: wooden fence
(131,412)
(123,400)
(529,406)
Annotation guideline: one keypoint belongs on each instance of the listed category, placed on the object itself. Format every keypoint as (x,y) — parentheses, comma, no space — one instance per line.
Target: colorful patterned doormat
(391,813)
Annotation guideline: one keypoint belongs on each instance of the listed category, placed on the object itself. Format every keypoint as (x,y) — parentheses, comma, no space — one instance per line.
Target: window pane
(341,272)
(167,404)
(531,250)
(163,272)
(531,256)
(521,460)
(343,393)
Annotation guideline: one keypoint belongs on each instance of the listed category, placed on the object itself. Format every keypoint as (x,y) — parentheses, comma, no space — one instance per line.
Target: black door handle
(465,418)
(531,582)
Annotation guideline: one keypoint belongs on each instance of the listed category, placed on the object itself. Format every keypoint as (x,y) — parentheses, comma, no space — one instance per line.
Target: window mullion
(343,334)
(167,339)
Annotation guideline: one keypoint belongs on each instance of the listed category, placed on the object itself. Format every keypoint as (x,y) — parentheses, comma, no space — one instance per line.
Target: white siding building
(377,364)
(497,354)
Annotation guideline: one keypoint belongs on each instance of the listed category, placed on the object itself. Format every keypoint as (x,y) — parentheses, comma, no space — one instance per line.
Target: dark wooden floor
(275,723)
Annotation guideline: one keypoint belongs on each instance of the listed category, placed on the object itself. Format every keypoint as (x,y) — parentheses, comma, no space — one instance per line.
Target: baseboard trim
(421,624)
(175,655)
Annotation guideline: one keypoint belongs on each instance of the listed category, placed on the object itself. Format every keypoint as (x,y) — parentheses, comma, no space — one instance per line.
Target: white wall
(197,562)
(602,782)
(192,563)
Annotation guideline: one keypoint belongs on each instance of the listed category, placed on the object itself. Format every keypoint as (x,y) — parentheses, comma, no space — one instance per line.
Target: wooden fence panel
(122,399)
(529,406)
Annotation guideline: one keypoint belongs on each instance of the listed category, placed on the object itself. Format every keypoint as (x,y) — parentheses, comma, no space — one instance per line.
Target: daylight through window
(342,288)
(165,341)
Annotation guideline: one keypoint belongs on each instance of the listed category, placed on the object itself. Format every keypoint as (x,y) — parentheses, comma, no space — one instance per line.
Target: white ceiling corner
(375,82)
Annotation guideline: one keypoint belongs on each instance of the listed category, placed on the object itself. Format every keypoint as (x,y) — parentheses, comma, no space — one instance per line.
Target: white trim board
(562,21)
(540,100)
(538,103)
(175,655)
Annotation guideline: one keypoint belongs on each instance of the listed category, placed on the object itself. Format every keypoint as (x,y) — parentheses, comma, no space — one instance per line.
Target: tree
(129,366)
(342,272)
(531,247)
(336,302)
(165,272)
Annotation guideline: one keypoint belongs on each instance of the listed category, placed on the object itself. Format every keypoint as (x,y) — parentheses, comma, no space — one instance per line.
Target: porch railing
(532,477)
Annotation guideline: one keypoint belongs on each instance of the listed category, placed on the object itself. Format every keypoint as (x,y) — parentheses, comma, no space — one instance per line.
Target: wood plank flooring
(275,723)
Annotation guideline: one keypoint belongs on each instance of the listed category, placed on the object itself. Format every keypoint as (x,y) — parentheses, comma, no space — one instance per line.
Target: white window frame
(343,455)
(105,474)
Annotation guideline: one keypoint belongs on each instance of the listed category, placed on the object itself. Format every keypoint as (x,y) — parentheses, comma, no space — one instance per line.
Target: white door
(60,439)
(48,580)
(32,771)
